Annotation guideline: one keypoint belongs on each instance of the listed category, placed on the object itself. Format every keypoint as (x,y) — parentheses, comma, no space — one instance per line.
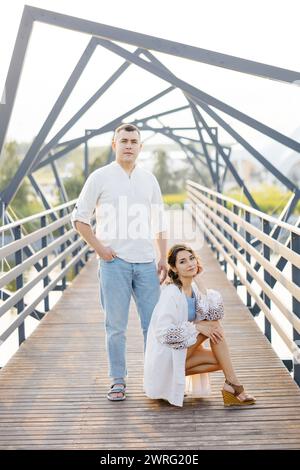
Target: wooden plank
(53,390)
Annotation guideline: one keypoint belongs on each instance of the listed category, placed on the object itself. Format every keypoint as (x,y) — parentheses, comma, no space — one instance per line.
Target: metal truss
(43,152)
(202,148)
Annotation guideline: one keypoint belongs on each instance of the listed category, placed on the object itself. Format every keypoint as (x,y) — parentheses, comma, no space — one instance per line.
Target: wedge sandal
(232,399)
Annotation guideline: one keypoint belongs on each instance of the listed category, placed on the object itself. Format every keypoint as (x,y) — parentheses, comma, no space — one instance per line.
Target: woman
(175,348)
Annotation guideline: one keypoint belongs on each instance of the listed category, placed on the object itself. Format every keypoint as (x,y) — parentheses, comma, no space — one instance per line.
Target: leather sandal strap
(117,390)
(120,387)
(238,389)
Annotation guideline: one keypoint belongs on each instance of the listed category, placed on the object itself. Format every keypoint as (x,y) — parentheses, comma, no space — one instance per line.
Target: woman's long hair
(172,255)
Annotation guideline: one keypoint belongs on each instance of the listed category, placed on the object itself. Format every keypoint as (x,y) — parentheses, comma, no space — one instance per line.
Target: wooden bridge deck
(53,390)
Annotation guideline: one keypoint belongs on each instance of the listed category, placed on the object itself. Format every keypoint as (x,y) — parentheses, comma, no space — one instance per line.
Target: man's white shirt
(129,210)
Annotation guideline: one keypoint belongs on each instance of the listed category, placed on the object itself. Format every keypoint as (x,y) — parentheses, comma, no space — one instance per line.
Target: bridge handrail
(251,210)
(56,240)
(274,245)
(265,263)
(36,216)
(32,237)
(221,227)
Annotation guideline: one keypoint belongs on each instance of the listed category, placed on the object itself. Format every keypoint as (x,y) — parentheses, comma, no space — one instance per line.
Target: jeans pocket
(109,261)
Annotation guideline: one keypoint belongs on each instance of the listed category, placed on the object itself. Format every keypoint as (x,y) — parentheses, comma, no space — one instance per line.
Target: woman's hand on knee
(212,330)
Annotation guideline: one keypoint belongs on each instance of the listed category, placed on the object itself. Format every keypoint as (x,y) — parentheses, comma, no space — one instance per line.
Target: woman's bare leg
(200,356)
(222,354)
(200,360)
(203,368)
(191,350)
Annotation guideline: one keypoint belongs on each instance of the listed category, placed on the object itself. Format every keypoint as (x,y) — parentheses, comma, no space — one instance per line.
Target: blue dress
(191,306)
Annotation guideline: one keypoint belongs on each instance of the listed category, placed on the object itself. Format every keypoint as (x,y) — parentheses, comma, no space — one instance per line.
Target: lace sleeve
(210,306)
(179,336)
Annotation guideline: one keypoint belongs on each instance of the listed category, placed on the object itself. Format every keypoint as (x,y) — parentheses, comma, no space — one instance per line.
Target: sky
(263,31)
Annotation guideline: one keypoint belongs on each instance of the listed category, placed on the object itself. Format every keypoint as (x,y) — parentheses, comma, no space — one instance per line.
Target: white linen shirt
(129,210)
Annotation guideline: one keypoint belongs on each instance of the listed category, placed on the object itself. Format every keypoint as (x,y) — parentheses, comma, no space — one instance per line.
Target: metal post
(2,244)
(213,248)
(62,248)
(219,202)
(217,168)
(296,308)
(19,283)
(44,242)
(235,244)
(74,253)
(226,235)
(248,259)
(267,279)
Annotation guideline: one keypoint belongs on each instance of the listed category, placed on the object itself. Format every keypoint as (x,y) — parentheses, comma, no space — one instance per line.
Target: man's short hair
(128,128)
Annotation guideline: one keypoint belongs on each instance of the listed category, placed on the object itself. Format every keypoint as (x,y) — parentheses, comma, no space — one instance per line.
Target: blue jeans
(118,281)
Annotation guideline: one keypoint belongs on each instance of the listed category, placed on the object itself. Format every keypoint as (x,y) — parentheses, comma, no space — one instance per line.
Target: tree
(99,161)
(193,175)
(10,161)
(161,170)
(173,181)
(73,184)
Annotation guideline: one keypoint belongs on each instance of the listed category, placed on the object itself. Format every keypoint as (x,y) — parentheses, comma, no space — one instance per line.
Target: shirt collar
(117,165)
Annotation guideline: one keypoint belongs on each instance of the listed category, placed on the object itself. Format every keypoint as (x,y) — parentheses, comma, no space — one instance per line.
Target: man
(129,215)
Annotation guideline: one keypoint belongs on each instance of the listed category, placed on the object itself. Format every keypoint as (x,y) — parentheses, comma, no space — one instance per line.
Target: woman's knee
(219,325)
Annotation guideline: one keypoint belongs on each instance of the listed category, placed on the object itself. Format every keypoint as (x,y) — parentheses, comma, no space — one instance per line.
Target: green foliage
(173,181)
(9,165)
(24,203)
(270,198)
(12,286)
(99,161)
(162,172)
(178,199)
(73,184)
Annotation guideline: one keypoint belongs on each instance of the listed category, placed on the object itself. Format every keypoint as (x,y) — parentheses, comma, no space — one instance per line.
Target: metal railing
(49,248)
(264,255)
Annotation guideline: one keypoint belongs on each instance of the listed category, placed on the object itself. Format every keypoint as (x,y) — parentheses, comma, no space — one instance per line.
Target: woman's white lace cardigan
(209,306)
(179,336)
(169,335)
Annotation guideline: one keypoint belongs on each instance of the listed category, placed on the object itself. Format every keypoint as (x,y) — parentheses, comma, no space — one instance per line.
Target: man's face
(127,145)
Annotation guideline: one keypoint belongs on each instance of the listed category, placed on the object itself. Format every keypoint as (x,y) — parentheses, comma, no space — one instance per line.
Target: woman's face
(186,264)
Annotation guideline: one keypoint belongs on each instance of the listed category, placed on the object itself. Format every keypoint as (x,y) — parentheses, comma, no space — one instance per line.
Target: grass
(270,199)
(178,199)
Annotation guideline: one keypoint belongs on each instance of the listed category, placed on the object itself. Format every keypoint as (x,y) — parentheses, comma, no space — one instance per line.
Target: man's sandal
(116,388)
